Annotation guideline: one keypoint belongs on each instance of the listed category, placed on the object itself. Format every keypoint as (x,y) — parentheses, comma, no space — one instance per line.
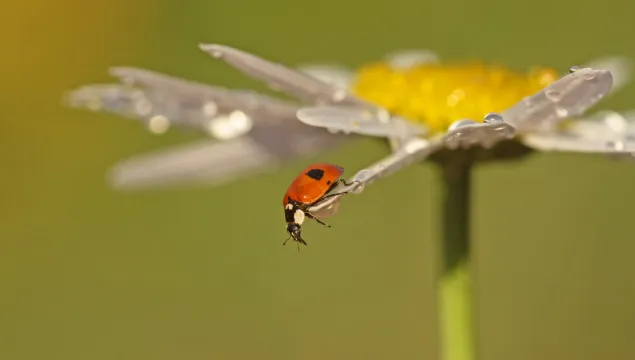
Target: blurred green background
(90,273)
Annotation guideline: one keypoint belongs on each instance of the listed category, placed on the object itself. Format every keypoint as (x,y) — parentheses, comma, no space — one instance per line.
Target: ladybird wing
(332,173)
(305,189)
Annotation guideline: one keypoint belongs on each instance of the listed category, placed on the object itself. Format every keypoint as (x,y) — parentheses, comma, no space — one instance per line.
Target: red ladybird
(308,189)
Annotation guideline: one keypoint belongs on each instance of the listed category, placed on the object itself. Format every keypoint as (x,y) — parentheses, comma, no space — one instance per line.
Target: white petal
(212,163)
(467,133)
(412,151)
(573,143)
(604,126)
(265,148)
(620,67)
(282,78)
(149,96)
(405,59)
(605,132)
(330,74)
(190,95)
(568,97)
(363,121)
(121,100)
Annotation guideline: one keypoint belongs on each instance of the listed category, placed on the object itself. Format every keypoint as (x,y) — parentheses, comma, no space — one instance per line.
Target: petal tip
(215,50)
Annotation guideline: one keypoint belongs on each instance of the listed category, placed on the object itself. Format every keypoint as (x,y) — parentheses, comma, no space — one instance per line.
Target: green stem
(456,330)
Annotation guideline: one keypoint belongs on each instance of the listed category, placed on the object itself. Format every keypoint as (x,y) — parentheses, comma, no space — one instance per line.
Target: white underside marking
(298,217)
(289,207)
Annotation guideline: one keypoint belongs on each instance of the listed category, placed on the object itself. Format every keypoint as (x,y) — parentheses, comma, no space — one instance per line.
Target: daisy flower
(452,114)
(410,97)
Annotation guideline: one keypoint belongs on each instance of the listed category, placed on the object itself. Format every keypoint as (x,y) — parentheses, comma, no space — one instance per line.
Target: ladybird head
(294,231)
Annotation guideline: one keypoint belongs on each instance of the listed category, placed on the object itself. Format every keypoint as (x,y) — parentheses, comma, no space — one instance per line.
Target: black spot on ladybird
(315,174)
(328,182)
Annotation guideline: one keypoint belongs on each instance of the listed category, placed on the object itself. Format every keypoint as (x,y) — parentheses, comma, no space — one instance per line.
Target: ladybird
(307,189)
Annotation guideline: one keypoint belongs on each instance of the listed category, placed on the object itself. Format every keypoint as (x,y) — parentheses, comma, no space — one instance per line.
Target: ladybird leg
(310,216)
(345,183)
(301,241)
(331,195)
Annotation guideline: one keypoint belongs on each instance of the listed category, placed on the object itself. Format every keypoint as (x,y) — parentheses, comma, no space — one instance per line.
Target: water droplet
(457,124)
(562,112)
(358,189)
(158,124)
(553,95)
(590,75)
(616,122)
(339,95)
(383,116)
(363,175)
(240,122)
(615,145)
(493,118)
(361,178)
(230,126)
(573,69)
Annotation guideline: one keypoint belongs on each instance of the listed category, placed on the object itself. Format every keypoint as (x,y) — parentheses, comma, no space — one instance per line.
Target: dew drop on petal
(383,116)
(240,122)
(460,123)
(493,118)
(573,69)
(562,112)
(339,95)
(158,124)
(553,95)
(590,75)
(615,145)
(362,176)
(616,122)
(358,189)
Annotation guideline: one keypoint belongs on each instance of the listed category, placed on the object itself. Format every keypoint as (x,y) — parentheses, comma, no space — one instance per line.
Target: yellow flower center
(437,94)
